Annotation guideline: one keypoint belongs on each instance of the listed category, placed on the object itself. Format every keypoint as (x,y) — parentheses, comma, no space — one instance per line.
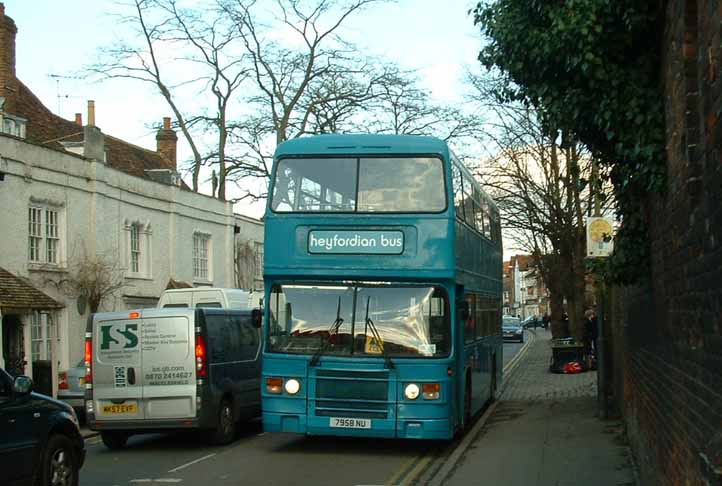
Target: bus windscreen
(362,185)
(363,321)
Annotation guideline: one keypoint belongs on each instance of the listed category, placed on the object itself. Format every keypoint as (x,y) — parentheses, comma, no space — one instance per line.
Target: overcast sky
(56,38)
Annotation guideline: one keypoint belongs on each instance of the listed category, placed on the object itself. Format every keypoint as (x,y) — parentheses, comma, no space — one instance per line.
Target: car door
(18,439)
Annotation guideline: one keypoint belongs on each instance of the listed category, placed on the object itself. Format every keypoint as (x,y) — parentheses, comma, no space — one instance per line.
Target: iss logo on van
(118,337)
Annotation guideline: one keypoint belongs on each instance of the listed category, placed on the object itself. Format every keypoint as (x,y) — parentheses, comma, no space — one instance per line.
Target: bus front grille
(347,393)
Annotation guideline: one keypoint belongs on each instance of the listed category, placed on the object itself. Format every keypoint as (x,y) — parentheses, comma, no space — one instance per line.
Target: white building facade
(61,209)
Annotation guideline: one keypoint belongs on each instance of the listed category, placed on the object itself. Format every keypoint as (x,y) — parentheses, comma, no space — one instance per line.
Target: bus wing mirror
(463,310)
(257,318)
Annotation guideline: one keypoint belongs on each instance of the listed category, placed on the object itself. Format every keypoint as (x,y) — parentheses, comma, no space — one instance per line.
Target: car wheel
(114,440)
(60,466)
(225,426)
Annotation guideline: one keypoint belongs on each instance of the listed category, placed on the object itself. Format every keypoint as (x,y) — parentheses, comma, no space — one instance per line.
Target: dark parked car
(531,322)
(512,329)
(40,443)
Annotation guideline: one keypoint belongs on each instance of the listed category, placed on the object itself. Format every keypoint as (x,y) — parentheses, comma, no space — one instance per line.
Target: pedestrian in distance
(590,332)
(566,331)
(545,320)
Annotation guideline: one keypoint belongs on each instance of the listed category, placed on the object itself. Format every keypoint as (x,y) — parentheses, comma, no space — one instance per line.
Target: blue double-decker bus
(383,288)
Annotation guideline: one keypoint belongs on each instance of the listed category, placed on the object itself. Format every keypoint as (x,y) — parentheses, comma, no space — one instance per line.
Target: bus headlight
(292,386)
(411,391)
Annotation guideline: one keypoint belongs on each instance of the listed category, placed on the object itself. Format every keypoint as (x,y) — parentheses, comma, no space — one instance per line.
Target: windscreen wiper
(333,329)
(375,333)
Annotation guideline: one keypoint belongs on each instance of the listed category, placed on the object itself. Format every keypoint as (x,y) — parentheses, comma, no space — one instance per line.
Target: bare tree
(91,278)
(171,38)
(245,264)
(540,180)
(402,107)
(312,88)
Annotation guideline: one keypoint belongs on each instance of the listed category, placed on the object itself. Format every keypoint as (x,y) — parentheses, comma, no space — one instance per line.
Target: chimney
(91,113)
(79,119)
(8,82)
(93,138)
(167,140)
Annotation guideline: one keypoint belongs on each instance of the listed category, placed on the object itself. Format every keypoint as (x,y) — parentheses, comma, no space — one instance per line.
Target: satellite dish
(82,302)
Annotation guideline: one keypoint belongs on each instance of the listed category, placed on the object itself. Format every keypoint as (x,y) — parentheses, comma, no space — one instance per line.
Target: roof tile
(17,293)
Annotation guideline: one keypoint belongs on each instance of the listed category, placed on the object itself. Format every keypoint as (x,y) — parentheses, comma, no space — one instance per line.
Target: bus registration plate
(350,423)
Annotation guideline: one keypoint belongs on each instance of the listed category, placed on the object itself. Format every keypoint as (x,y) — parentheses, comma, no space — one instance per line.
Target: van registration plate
(113,409)
(350,423)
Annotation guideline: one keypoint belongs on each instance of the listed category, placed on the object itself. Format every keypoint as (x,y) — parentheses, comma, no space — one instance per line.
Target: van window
(224,339)
(213,305)
(249,338)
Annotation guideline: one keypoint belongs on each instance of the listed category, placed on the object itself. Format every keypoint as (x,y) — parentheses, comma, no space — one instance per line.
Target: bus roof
(361,143)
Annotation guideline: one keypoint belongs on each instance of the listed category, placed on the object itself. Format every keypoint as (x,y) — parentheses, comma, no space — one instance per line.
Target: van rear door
(117,365)
(168,357)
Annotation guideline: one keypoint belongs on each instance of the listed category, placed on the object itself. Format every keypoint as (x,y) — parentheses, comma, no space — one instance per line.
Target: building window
(138,249)
(35,233)
(12,125)
(259,260)
(201,256)
(51,236)
(43,235)
(135,248)
(41,336)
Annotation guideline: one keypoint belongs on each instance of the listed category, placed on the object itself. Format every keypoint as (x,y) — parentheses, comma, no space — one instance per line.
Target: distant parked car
(71,387)
(40,442)
(512,329)
(530,322)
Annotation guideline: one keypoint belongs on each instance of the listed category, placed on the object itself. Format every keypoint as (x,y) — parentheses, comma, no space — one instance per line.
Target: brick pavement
(545,432)
(531,379)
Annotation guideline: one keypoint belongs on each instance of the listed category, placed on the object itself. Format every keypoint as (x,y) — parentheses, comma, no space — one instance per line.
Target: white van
(151,370)
(211,297)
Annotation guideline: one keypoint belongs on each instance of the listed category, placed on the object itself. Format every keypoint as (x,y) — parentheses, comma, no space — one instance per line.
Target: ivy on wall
(591,69)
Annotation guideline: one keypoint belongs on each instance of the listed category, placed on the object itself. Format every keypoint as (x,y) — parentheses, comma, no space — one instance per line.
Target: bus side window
(468,203)
(458,192)
(470,324)
(480,329)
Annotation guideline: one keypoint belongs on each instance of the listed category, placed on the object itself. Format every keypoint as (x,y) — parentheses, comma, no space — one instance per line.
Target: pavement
(544,431)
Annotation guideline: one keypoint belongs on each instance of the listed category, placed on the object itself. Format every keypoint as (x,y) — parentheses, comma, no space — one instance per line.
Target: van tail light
(88,362)
(63,380)
(201,357)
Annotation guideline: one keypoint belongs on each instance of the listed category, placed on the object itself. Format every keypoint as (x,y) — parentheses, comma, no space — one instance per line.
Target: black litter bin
(566,351)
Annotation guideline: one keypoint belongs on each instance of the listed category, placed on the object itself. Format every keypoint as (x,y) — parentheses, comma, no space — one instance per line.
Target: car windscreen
(363,185)
(347,319)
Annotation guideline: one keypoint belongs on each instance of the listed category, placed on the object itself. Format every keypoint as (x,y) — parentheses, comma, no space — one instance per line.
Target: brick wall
(668,335)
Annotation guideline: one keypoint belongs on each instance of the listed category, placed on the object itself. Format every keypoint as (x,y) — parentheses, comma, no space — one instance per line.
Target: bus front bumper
(386,428)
